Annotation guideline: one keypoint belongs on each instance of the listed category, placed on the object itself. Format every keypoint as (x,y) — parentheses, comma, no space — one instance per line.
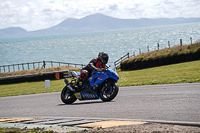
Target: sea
(80,48)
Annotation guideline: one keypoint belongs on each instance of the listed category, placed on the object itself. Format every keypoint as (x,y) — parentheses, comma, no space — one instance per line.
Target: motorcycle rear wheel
(109,94)
(67,96)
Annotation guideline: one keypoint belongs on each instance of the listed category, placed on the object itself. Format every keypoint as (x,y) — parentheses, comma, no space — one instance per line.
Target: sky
(40,14)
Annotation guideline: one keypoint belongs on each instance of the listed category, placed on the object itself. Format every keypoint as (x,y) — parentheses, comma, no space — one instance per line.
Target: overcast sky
(39,14)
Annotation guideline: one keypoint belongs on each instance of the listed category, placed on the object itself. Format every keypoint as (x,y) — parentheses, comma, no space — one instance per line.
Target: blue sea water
(81,48)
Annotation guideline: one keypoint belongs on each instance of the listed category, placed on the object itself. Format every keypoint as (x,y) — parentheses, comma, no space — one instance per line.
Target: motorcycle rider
(96,64)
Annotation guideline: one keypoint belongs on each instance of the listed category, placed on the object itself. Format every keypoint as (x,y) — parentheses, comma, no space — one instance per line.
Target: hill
(13,32)
(95,23)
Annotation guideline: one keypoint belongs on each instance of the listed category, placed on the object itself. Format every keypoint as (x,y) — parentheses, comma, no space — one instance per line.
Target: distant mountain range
(94,23)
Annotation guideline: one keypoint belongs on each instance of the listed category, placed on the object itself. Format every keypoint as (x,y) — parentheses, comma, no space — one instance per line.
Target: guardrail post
(128,55)
(191,39)
(23,66)
(158,45)
(4,69)
(44,64)
(13,68)
(140,51)
(8,68)
(51,63)
(169,44)
(28,66)
(181,42)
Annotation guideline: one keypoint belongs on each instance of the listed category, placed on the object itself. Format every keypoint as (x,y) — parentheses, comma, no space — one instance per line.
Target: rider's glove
(98,70)
(104,70)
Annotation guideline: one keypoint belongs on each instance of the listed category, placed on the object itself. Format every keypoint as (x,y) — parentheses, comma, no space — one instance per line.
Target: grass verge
(30,88)
(16,130)
(176,73)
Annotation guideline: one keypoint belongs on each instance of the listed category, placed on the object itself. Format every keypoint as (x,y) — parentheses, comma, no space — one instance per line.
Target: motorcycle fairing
(112,74)
(85,96)
(97,79)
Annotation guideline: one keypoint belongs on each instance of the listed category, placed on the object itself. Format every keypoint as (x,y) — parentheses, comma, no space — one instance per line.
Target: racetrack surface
(169,102)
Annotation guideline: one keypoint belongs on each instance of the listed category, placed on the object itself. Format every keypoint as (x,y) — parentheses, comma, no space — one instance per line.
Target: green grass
(176,73)
(16,130)
(30,88)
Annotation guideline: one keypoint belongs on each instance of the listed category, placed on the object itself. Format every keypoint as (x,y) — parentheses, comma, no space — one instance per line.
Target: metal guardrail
(36,65)
(117,63)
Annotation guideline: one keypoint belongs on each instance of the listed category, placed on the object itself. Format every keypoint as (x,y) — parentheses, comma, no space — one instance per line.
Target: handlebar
(104,69)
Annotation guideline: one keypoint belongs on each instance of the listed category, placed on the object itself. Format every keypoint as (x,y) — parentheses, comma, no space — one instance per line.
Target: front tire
(67,96)
(108,94)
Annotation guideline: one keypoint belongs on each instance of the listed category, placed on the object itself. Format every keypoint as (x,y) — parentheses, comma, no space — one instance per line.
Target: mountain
(13,32)
(98,22)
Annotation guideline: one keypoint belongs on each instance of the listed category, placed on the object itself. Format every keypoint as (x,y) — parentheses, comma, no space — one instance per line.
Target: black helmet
(103,56)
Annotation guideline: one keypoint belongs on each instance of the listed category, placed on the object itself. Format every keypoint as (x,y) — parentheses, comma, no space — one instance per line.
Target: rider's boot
(77,85)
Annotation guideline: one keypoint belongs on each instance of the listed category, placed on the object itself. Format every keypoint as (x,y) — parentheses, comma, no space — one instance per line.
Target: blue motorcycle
(101,85)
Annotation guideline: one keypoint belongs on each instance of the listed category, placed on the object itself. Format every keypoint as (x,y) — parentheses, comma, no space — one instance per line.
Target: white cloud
(34,15)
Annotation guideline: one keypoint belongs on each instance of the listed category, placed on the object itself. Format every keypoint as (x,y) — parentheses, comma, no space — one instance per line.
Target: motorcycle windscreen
(75,74)
(85,96)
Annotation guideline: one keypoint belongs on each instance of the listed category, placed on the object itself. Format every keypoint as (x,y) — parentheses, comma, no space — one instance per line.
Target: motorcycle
(101,85)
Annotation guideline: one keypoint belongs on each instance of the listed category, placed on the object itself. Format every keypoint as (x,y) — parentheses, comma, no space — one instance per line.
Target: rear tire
(67,96)
(109,94)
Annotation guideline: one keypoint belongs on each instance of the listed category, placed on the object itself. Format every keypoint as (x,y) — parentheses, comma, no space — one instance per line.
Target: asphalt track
(169,102)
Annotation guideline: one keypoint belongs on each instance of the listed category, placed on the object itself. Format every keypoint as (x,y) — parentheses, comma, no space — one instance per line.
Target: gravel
(147,128)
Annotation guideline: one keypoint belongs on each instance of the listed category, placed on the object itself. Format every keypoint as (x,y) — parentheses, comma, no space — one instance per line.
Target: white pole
(47,83)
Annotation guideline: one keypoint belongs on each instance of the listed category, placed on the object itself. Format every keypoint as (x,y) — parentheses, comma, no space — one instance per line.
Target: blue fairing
(112,74)
(99,77)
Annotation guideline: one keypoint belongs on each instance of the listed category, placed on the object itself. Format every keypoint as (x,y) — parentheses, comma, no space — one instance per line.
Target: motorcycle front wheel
(109,93)
(67,96)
